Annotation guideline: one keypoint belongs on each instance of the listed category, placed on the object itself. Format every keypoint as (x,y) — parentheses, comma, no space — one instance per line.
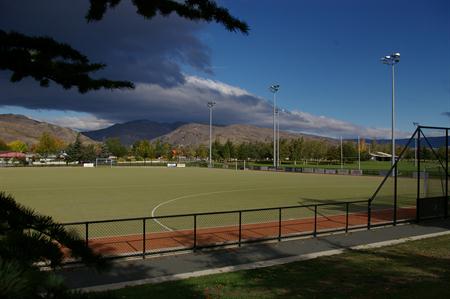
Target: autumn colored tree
(18,146)
(48,144)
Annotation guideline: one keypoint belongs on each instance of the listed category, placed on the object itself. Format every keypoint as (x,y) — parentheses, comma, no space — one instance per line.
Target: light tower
(416,124)
(210,106)
(274,89)
(392,60)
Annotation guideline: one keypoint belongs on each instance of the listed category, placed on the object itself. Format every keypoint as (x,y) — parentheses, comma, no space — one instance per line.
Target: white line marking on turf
(256,265)
(188,196)
(203,194)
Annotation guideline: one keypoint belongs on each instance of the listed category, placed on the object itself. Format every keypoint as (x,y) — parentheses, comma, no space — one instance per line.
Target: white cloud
(79,123)
(185,102)
(221,87)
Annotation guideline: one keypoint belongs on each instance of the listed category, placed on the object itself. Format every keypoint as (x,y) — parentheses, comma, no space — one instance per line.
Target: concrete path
(179,266)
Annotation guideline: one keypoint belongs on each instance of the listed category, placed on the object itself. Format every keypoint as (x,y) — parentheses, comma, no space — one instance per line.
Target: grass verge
(418,269)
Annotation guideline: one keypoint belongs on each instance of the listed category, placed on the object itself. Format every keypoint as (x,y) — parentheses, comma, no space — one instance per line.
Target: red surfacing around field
(171,240)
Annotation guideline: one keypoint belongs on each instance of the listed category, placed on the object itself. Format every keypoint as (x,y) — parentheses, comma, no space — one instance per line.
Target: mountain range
(194,134)
(132,131)
(19,127)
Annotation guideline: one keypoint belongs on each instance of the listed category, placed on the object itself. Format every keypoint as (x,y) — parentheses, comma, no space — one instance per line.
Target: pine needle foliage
(205,10)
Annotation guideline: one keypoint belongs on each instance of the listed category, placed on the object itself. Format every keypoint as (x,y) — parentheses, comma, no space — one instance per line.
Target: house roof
(12,155)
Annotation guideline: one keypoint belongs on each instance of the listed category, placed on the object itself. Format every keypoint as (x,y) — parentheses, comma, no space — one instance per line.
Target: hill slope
(194,134)
(19,127)
(132,131)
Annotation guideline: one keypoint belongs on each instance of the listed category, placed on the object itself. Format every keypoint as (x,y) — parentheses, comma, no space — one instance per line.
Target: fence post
(346,217)
(195,232)
(143,238)
(418,176)
(86,231)
(369,213)
(279,224)
(395,192)
(315,221)
(240,227)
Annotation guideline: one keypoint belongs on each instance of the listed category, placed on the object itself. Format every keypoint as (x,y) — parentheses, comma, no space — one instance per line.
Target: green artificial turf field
(79,194)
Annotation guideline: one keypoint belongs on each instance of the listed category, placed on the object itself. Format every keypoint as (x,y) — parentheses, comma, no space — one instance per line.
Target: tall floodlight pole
(392,60)
(278,136)
(210,106)
(342,155)
(274,89)
(415,145)
(359,154)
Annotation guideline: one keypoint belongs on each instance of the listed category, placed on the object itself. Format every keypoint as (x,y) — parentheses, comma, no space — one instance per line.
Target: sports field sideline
(80,194)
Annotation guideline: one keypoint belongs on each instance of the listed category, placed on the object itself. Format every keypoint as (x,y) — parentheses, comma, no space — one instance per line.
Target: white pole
(415,143)
(210,135)
(244,164)
(210,106)
(415,152)
(359,154)
(342,156)
(278,138)
(274,131)
(393,114)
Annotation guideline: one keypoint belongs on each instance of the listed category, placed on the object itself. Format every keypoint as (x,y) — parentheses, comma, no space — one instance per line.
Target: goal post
(101,162)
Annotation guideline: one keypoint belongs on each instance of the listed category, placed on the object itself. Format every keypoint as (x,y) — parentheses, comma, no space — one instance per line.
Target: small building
(12,155)
(12,158)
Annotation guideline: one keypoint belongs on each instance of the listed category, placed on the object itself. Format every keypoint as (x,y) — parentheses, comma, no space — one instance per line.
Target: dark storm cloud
(133,48)
(151,53)
(185,102)
(446,113)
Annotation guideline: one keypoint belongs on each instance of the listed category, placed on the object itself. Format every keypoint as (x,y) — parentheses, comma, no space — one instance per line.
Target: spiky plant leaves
(22,227)
(16,281)
(27,238)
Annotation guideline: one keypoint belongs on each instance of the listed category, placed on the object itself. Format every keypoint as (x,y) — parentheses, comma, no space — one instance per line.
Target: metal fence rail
(144,236)
(394,201)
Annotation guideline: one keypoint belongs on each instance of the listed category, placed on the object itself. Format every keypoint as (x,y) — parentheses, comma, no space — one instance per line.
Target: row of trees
(292,150)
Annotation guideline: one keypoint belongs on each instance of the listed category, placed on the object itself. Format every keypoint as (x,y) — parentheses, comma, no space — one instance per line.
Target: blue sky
(324,54)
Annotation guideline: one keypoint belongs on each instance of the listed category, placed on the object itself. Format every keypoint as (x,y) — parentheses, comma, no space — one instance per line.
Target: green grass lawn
(419,269)
(77,194)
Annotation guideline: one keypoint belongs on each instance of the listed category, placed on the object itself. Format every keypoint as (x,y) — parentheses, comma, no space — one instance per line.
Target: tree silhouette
(206,10)
(28,238)
(44,59)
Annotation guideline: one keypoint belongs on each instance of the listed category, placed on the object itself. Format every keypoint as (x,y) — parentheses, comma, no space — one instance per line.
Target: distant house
(12,155)
(380,156)
(12,158)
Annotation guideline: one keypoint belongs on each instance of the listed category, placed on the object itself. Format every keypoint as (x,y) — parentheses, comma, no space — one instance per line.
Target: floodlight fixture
(391,59)
(274,88)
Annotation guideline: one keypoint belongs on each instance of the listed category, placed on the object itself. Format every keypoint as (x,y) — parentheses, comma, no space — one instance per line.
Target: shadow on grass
(399,272)
(411,270)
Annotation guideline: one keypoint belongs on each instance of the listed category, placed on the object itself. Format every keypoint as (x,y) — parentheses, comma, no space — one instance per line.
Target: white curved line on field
(202,194)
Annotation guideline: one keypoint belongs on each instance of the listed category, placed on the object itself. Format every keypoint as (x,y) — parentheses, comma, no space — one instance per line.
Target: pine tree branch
(45,60)
(206,10)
